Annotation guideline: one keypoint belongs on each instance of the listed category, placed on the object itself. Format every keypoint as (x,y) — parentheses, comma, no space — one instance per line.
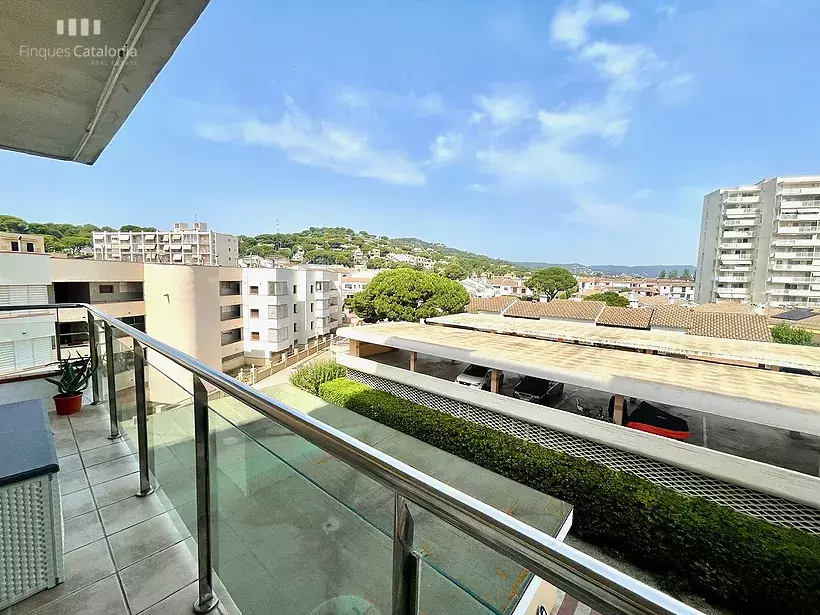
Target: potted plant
(74,376)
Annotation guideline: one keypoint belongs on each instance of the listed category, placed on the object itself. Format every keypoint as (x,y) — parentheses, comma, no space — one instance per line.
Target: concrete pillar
(413,359)
(774,368)
(494,381)
(354,348)
(618,411)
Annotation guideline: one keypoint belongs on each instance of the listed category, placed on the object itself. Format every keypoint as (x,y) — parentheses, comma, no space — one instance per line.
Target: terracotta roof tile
(633,318)
(653,300)
(726,307)
(558,308)
(496,305)
(752,327)
(676,316)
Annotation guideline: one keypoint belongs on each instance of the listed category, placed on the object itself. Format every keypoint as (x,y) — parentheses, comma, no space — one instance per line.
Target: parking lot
(761,443)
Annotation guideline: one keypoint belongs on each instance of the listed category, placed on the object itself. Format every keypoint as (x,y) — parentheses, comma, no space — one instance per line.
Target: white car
(478,377)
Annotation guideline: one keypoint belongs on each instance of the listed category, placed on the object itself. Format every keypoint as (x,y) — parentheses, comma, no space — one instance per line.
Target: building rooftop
(558,308)
(751,327)
(630,318)
(673,316)
(786,401)
(668,342)
(809,322)
(496,305)
(725,307)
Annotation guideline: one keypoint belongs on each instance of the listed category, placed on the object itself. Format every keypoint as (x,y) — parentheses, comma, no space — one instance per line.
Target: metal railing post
(406,563)
(207,599)
(112,384)
(142,420)
(57,344)
(93,352)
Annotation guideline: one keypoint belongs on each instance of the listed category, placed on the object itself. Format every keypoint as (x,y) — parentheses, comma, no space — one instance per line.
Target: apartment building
(411,259)
(186,244)
(284,309)
(353,283)
(26,338)
(20,242)
(510,286)
(761,243)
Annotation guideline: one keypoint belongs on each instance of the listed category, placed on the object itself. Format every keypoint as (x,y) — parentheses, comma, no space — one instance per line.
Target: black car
(538,391)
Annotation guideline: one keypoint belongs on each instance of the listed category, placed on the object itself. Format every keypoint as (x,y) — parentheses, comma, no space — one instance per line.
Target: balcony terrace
(198,490)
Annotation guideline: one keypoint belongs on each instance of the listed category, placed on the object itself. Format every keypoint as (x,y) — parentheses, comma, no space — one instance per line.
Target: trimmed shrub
(743,563)
(787,334)
(309,376)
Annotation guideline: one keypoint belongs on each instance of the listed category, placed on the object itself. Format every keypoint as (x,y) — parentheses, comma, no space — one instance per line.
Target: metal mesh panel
(767,507)
(24,545)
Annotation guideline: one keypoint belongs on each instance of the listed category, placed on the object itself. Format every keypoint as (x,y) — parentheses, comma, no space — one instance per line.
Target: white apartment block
(286,308)
(761,243)
(411,259)
(186,244)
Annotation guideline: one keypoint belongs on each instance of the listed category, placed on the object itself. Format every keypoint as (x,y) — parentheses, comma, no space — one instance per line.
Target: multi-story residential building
(511,286)
(412,259)
(677,290)
(186,244)
(761,243)
(19,242)
(189,307)
(286,308)
(356,282)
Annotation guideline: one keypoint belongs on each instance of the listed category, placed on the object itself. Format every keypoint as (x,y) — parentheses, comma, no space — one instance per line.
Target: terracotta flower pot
(68,404)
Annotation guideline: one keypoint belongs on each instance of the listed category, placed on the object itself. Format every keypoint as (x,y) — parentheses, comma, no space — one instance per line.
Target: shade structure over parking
(786,401)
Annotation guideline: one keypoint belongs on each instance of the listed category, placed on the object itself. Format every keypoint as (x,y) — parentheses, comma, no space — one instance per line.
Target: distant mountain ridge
(649,271)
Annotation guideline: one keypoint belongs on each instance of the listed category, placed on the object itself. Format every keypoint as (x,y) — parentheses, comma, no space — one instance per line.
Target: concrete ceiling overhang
(71,71)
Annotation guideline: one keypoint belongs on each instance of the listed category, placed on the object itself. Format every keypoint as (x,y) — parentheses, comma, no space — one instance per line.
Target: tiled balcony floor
(124,555)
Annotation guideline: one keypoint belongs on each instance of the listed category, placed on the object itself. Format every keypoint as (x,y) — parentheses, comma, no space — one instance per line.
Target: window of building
(311,307)
(311,325)
(106,289)
(294,308)
(255,336)
(311,289)
(15,246)
(254,290)
(294,289)
(294,327)
(254,313)
(277,311)
(277,288)
(29,247)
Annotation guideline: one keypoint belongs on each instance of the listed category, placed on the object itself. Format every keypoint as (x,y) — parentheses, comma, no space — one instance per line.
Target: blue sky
(582,131)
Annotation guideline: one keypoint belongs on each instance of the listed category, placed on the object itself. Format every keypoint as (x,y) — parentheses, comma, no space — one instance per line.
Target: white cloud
(667,9)
(608,120)
(478,188)
(445,148)
(540,163)
(320,144)
(571,23)
(626,66)
(503,109)
(677,89)
(419,105)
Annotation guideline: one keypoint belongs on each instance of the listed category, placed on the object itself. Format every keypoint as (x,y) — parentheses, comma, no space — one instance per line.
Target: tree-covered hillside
(61,237)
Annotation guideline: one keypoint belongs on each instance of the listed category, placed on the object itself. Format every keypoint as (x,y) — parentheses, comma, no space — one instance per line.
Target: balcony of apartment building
(793,216)
(737,245)
(741,212)
(230,317)
(807,190)
(119,299)
(193,492)
(797,229)
(736,278)
(737,259)
(326,288)
(746,198)
(804,266)
(230,292)
(741,222)
(739,233)
(325,307)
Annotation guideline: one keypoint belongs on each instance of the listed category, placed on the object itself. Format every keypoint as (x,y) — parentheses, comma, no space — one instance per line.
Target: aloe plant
(74,375)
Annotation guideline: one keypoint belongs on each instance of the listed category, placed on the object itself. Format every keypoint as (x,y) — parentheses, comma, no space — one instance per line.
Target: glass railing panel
(170,433)
(439,595)
(279,538)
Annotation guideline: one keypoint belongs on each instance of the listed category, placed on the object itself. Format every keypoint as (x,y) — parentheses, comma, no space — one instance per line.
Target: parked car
(538,390)
(478,377)
(652,419)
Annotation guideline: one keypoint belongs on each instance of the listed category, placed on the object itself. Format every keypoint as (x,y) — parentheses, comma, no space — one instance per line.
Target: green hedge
(743,563)
(310,375)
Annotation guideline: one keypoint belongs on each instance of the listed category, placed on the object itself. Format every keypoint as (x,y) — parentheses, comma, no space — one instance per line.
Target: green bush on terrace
(309,376)
(743,563)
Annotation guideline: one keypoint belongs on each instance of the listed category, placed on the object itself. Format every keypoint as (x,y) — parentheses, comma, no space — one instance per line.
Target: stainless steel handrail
(590,581)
